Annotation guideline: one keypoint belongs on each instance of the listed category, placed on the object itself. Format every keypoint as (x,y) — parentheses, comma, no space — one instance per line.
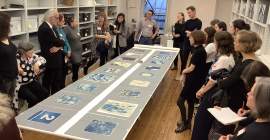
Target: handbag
(220,97)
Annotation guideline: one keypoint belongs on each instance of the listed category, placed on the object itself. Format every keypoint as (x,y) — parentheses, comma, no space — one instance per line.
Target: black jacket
(47,39)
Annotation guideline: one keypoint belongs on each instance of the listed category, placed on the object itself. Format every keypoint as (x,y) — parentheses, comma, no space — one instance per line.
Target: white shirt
(211,51)
(49,24)
(223,62)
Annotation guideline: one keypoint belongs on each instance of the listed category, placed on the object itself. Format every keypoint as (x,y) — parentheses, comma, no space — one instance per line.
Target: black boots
(181,127)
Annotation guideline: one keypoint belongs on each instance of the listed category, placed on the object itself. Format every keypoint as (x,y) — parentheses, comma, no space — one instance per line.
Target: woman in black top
(247,43)
(259,102)
(195,77)
(178,32)
(8,63)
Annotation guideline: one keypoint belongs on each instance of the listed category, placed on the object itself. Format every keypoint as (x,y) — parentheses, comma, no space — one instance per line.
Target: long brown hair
(105,23)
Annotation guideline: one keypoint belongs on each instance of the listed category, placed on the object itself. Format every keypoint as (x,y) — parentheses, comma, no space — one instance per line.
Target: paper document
(225,115)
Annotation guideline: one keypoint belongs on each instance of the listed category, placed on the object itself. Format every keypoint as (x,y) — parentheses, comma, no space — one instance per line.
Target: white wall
(224,10)
(134,9)
(205,10)
(122,6)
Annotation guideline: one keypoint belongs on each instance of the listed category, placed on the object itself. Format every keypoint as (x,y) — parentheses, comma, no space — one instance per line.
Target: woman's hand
(36,69)
(200,93)
(20,70)
(242,112)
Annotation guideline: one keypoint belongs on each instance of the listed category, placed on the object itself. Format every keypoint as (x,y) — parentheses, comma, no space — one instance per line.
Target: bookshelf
(256,13)
(27,15)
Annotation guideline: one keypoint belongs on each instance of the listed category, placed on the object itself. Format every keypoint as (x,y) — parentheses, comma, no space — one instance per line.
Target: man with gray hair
(51,49)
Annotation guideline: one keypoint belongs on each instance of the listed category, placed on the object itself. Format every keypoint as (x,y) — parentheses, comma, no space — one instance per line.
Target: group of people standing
(223,71)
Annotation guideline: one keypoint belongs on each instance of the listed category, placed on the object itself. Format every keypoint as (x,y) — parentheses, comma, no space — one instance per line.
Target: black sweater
(8,62)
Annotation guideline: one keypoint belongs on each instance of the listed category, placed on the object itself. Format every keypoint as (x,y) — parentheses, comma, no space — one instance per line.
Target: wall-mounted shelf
(26,27)
(257,14)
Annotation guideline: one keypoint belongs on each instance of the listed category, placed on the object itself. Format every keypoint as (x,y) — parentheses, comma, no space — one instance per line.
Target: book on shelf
(262,15)
(225,115)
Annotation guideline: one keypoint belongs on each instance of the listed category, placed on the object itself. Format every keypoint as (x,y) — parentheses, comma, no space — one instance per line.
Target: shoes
(181,127)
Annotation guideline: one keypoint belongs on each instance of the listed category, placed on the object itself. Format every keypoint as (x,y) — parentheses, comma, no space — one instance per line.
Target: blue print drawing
(157,61)
(86,87)
(118,108)
(44,117)
(100,127)
(112,70)
(68,100)
(152,68)
(99,77)
(130,93)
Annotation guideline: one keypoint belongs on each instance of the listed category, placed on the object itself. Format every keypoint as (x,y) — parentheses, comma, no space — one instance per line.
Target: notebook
(225,115)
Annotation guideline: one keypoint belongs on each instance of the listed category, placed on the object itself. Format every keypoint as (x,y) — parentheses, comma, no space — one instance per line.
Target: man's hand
(188,33)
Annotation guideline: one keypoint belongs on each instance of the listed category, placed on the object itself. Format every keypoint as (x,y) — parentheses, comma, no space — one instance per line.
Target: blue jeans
(146,40)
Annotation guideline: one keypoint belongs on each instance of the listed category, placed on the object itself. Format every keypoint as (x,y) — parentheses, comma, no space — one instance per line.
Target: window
(159,7)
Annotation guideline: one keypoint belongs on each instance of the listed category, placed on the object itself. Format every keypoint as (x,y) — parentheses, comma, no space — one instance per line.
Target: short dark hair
(214,22)
(4,25)
(224,43)
(116,20)
(210,34)
(252,71)
(199,37)
(153,13)
(222,25)
(192,8)
(241,24)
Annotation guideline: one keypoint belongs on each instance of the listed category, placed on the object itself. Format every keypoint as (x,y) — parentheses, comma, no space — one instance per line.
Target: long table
(106,103)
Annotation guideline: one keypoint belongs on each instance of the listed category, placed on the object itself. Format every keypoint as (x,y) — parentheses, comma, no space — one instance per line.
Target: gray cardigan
(74,40)
(124,35)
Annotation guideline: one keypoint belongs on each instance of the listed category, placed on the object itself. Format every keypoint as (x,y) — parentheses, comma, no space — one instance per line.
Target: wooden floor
(158,120)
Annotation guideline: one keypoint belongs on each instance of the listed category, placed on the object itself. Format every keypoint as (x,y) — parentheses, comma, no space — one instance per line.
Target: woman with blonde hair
(103,38)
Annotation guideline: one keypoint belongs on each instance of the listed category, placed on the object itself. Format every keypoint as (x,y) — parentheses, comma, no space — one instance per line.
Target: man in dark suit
(51,49)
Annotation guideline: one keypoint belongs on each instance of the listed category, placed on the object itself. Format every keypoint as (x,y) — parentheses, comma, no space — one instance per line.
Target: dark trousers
(33,93)
(75,72)
(7,86)
(180,45)
(184,54)
(146,40)
(65,72)
(119,50)
(89,63)
(203,120)
(53,79)
(182,108)
(102,48)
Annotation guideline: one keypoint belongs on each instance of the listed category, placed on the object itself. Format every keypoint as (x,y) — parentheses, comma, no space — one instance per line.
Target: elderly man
(51,49)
